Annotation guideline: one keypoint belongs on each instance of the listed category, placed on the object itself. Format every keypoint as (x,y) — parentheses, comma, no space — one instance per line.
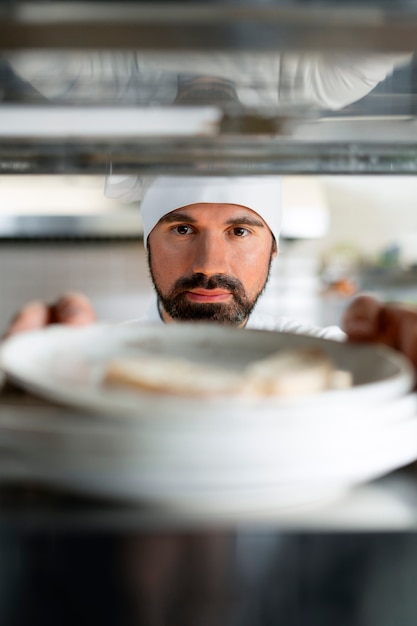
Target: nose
(210,255)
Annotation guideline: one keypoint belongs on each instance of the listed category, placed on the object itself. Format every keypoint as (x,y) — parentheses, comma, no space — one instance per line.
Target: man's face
(210,262)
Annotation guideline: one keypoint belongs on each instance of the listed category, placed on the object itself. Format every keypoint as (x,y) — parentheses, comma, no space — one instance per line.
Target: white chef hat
(261,194)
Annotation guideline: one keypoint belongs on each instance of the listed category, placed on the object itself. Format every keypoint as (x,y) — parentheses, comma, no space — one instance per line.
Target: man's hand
(73,309)
(395,325)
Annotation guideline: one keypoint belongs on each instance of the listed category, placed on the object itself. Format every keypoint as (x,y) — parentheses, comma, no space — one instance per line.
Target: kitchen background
(340,234)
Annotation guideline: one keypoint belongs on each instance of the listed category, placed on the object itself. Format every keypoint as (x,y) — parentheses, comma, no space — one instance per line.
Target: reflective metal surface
(191,87)
(234,87)
(255,25)
(145,113)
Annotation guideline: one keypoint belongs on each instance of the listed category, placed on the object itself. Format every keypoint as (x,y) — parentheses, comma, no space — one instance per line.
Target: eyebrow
(246,220)
(177,217)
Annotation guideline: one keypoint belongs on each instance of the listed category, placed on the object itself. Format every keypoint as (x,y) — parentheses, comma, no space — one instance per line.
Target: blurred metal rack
(158,134)
(208,25)
(218,156)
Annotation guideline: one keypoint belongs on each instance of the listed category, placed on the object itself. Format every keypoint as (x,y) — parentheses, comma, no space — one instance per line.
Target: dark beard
(234,312)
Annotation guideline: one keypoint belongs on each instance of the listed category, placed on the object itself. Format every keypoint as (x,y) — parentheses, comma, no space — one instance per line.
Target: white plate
(66,364)
(212,456)
(94,461)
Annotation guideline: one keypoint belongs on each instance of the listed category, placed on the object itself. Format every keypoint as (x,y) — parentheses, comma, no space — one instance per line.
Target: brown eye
(239,231)
(183,229)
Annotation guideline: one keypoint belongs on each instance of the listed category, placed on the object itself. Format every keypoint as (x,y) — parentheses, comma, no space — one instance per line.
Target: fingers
(395,325)
(407,331)
(362,319)
(73,309)
(34,315)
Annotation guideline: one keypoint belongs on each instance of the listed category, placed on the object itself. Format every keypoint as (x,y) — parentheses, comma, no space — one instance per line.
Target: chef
(211,242)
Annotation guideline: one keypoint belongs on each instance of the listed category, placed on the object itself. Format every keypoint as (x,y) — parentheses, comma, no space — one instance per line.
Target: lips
(208,295)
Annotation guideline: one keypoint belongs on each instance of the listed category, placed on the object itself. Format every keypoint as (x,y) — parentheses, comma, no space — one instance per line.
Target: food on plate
(286,373)
(293,372)
(171,375)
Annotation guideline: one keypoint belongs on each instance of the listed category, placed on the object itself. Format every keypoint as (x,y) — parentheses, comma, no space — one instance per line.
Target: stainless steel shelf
(188,156)
(78,113)
(208,26)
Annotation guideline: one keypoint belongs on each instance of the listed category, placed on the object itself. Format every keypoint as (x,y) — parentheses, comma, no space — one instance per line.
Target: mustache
(216,281)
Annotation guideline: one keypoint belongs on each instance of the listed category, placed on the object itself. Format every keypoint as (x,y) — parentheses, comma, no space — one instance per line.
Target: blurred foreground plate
(66,365)
(223,455)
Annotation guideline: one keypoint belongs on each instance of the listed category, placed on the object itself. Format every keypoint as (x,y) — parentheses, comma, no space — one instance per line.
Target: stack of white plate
(227,454)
